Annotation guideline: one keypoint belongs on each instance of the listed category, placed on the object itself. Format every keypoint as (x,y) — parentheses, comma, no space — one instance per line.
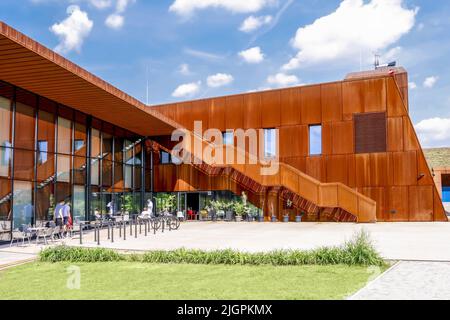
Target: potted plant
(286,217)
(298,217)
(240,209)
(289,204)
(260,215)
(229,211)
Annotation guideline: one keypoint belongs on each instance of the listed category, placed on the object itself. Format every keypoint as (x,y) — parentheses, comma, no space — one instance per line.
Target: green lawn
(129,280)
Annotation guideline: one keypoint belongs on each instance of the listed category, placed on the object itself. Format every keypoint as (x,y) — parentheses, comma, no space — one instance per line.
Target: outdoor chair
(44,234)
(20,235)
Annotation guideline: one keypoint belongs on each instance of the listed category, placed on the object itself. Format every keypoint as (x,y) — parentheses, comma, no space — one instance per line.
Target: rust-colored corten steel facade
(368,141)
(88,143)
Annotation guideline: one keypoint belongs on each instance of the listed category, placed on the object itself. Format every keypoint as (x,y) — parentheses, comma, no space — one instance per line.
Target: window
(370,132)
(270,143)
(164,158)
(42,151)
(315,140)
(228,138)
(446,187)
(78,145)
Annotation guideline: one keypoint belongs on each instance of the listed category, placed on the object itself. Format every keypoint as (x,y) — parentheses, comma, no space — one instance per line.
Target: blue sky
(202,48)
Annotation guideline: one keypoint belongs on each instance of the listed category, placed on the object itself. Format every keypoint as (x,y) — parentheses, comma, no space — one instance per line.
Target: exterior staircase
(318,201)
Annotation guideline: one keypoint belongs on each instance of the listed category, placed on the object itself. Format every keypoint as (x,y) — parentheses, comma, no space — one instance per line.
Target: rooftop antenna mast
(377,61)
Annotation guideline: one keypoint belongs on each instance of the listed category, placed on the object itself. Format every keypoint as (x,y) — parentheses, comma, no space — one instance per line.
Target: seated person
(145,214)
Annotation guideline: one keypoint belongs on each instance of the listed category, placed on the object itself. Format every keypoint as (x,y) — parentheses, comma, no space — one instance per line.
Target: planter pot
(261,219)
(238,218)
(285,218)
(229,215)
(274,219)
(298,219)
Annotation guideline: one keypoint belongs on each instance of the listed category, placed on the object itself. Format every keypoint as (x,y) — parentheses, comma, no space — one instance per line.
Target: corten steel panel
(421,203)
(439,212)
(395,104)
(395,134)
(381,170)
(217,114)
(290,107)
(370,132)
(352,98)
(234,117)
(410,139)
(185,115)
(199,112)
(423,172)
(329,196)
(270,109)
(294,141)
(362,170)
(405,168)
(40,70)
(336,169)
(297,162)
(252,111)
(351,163)
(398,203)
(343,137)
(331,102)
(311,105)
(315,167)
(327,138)
(375,95)
(380,196)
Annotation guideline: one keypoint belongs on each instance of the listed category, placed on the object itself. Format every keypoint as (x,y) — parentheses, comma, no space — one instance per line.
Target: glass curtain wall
(46,151)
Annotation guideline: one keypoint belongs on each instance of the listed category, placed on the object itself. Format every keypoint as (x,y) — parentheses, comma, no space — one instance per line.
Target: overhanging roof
(31,66)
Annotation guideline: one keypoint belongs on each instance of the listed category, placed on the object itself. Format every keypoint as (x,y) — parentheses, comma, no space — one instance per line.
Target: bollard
(135,229)
(98,235)
(154,226)
(120,230)
(81,233)
(95,232)
(109,233)
(112,233)
(131,226)
(140,226)
(162,225)
(145,226)
(124,230)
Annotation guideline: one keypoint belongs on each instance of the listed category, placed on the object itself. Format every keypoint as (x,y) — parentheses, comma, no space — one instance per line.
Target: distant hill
(438,157)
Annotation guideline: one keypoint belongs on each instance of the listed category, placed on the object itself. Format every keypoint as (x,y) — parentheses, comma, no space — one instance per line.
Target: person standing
(66,215)
(59,214)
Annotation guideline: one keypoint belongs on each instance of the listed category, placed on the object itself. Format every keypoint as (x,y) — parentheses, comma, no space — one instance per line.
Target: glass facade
(51,153)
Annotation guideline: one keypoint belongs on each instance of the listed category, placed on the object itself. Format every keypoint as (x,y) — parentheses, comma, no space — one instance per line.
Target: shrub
(358,251)
(72,254)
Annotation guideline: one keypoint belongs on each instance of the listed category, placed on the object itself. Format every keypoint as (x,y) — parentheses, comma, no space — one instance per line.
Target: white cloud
(73,30)
(219,80)
(187,90)
(282,80)
(356,26)
(202,54)
(115,21)
(101,4)
(187,8)
(434,132)
(254,23)
(184,69)
(412,85)
(430,82)
(252,55)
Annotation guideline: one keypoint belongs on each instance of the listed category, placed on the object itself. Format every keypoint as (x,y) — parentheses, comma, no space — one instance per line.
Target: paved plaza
(410,280)
(395,241)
